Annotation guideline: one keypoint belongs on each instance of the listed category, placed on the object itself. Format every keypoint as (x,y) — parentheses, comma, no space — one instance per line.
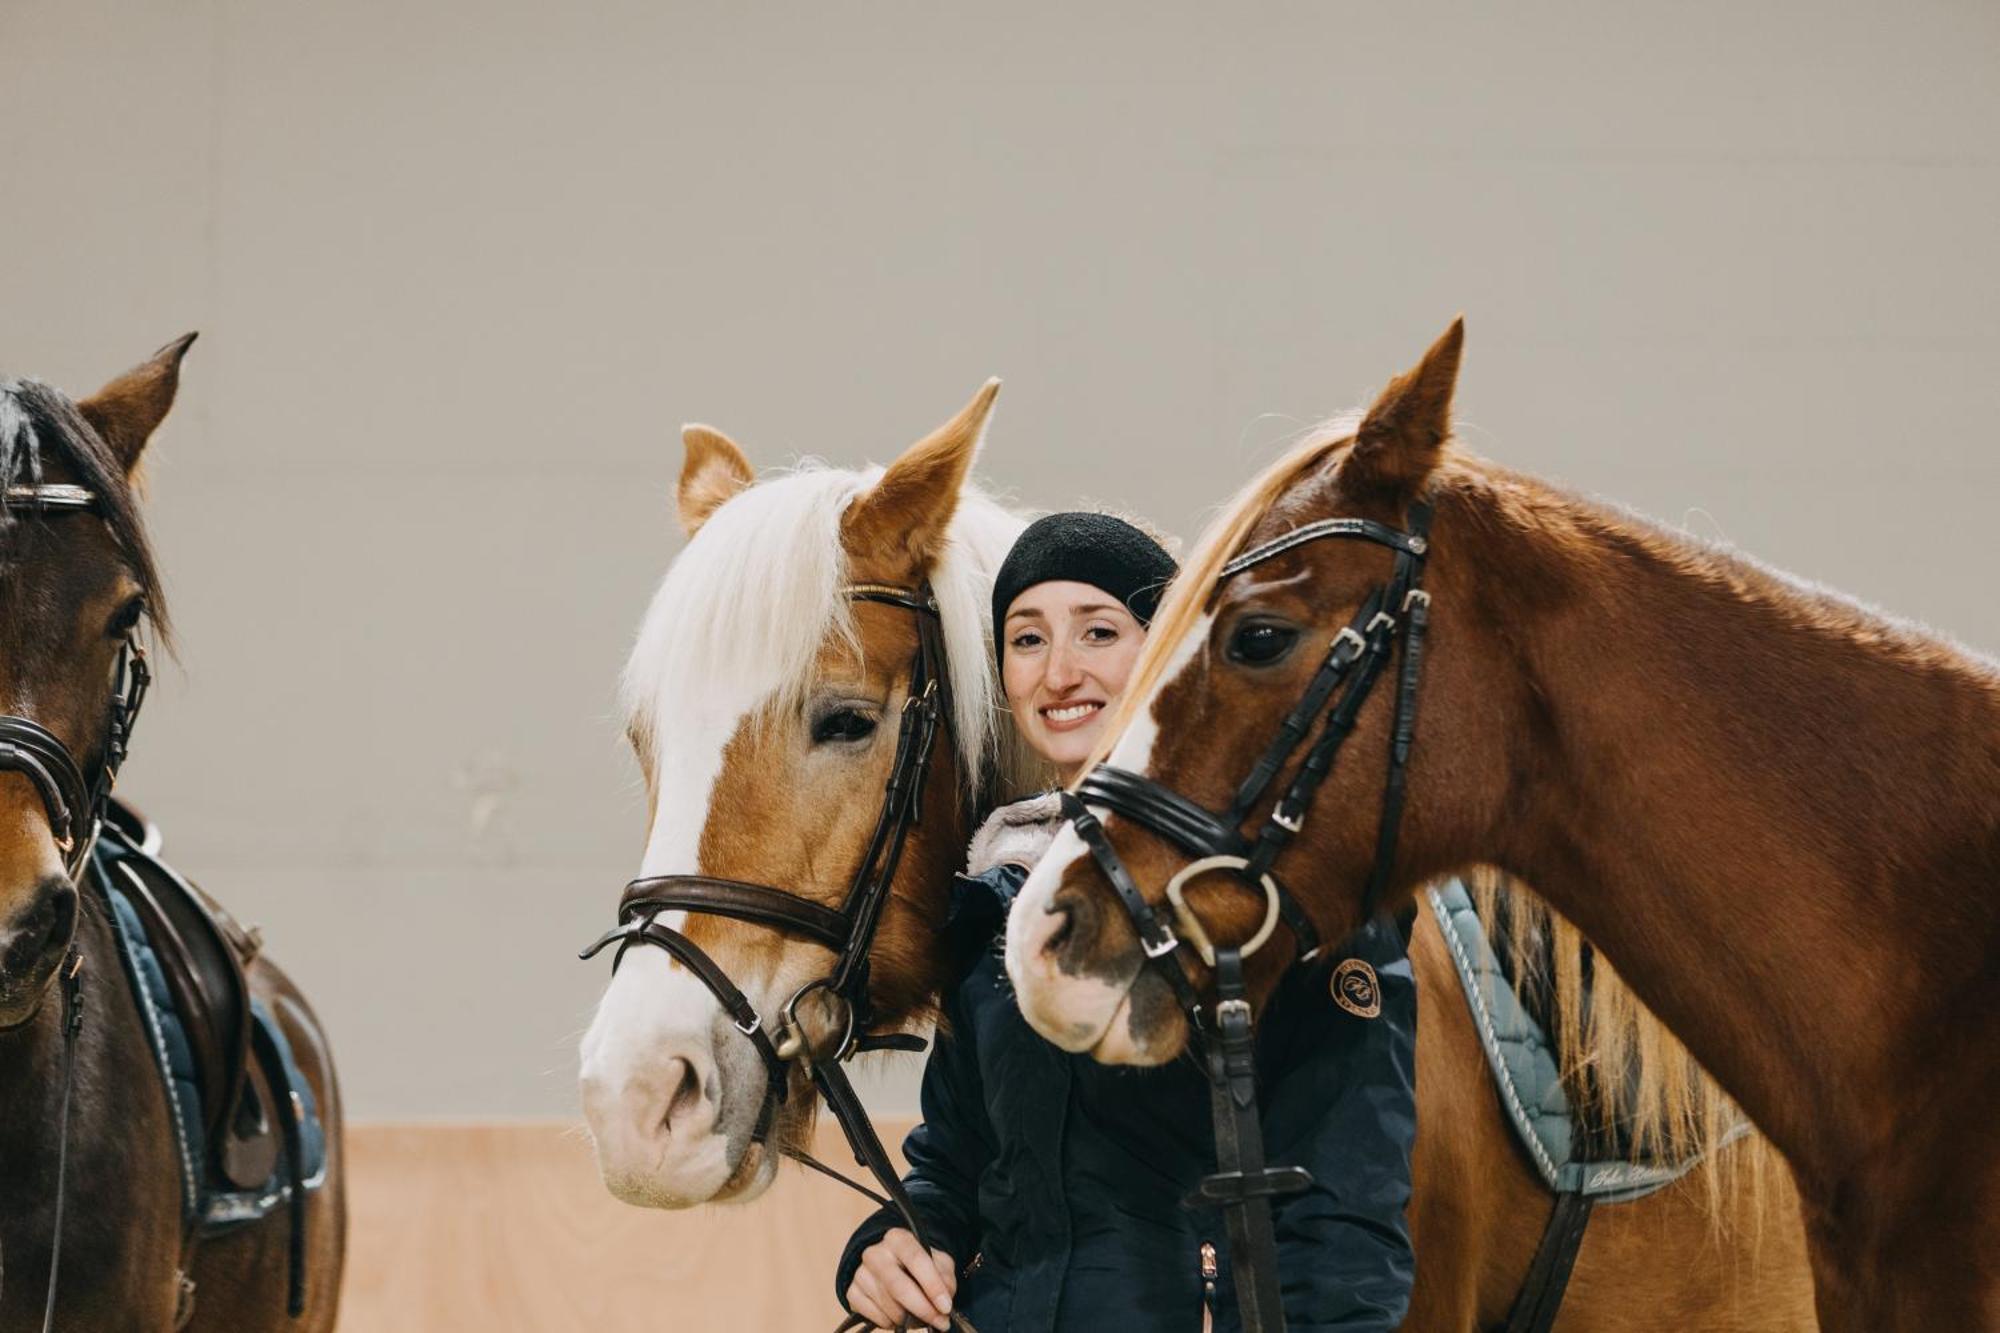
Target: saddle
(204,955)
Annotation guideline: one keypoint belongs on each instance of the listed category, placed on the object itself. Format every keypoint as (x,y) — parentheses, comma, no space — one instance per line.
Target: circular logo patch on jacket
(1355,990)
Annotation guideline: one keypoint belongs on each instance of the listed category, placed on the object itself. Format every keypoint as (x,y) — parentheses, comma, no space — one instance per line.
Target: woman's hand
(897,1280)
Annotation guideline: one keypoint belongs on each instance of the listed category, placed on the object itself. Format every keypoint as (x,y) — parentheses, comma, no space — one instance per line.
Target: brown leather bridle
(848,930)
(1356,658)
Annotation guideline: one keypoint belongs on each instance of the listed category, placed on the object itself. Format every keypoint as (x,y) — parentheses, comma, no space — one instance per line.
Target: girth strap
(1541,1295)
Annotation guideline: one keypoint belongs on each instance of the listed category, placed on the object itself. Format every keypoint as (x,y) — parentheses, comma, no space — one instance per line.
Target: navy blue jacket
(1056,1182)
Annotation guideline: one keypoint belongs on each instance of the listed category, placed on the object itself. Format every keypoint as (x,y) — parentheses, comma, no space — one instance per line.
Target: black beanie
(1097,549)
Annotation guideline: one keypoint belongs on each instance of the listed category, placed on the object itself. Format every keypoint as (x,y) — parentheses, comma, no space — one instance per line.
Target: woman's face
(1067,651)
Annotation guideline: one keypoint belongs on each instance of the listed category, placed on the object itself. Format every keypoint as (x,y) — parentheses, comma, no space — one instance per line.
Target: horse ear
(127,411)
(1403,435)
(908,511)
(715,470)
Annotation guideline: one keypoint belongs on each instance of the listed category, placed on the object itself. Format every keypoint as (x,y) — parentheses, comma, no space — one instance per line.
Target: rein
(1243,1186)
(847,931)
(75,804)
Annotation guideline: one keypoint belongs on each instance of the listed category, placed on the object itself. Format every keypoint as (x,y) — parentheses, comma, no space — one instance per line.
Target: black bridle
(1355,660)
(75,799)
(848,930)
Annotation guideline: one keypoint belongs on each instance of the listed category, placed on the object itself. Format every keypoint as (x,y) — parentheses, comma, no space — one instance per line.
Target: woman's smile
(1069,716)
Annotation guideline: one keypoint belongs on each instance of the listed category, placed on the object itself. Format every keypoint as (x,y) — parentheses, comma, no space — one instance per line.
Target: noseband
(75,803)
(848,931)
(1355,660)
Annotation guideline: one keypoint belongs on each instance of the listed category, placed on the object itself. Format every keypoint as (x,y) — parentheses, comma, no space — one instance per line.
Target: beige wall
(461,268)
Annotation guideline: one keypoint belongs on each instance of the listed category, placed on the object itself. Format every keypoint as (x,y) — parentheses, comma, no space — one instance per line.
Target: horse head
(77,580)
(1229,657)
(766,699)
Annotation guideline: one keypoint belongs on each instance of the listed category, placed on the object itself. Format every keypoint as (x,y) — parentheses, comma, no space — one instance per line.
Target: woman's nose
(1065,671)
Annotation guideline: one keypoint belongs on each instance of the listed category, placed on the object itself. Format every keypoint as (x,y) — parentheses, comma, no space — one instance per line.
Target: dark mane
(36,422)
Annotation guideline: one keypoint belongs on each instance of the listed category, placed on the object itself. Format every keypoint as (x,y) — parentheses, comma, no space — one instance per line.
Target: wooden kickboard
(506,1228)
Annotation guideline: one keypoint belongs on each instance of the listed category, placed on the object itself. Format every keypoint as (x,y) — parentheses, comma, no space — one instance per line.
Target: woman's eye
(1026,639)
(1261,643)
(1101,634)
(844,724)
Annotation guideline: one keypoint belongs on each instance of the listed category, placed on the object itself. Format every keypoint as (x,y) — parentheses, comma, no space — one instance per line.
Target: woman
(1054,1183)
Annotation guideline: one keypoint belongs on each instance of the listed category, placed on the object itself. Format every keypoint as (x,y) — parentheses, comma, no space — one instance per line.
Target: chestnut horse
(1772,810)
(76,582)
(753,695)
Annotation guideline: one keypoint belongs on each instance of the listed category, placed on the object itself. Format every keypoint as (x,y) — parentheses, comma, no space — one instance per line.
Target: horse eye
(1260,643)
(843,724)
(127,618)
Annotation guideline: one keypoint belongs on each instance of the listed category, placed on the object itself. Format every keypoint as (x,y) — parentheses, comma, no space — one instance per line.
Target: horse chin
(1146,1029)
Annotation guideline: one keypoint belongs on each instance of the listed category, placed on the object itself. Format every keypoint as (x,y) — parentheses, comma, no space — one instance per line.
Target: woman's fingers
(861,1300)
(948,1269)
(902,1296)
(886,1284)
(928,1271)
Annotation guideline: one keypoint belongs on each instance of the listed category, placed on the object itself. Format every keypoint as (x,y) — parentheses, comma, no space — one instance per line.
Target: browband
(53,495)
(1367,528)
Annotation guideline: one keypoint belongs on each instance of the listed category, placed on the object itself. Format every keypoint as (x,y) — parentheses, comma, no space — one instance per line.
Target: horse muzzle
(33,941)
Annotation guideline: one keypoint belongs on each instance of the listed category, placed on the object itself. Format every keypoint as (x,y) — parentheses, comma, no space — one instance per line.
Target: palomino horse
(753,695)
(1771,809)
(764,699)
(138,1251)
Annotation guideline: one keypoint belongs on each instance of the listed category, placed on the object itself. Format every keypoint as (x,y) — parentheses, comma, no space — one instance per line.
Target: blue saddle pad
(209,1201)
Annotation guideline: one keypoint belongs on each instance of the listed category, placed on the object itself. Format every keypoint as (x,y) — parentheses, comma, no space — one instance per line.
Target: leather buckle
(1162,944)
(1289,823)
(1348,634)
(1416,597)
(1380,619)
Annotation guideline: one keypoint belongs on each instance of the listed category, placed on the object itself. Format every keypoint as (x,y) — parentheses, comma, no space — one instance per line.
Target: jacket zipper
(1207,1287)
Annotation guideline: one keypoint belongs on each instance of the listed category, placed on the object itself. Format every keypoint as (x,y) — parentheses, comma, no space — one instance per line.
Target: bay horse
(753,696)
(1774,812)
(102,1149)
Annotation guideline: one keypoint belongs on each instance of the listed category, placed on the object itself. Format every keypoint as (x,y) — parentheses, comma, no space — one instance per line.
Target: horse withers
(1771,809)
(125,995)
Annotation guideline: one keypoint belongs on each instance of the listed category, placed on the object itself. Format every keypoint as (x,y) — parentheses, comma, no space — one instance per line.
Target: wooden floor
(506,1229)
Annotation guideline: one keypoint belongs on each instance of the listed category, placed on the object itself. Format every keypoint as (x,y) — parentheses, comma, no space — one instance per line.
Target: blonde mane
(1622,1065)
(742,613)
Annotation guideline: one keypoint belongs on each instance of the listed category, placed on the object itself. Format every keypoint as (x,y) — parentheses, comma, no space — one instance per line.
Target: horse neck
(1773,814)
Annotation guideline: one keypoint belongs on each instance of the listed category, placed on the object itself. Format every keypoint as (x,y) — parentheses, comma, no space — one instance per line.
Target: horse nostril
(1065,929)
(684,1096)
(44,929)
